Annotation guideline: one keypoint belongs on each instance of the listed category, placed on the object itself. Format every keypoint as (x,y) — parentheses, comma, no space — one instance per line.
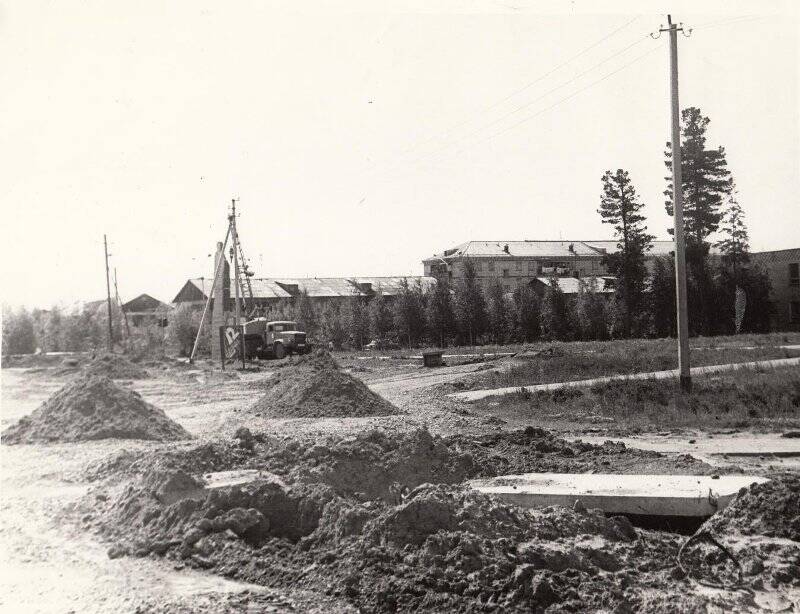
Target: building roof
(145,303)
(315,287)
(780,255)
(390,286)
(539,249)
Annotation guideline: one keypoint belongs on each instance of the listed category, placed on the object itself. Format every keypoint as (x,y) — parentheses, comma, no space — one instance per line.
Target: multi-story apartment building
(783,268)
(516,263)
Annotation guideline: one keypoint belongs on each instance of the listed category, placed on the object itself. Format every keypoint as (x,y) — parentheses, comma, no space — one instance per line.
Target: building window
(505,272)
(533,267)
(518,265)
(794,273)
(490,265)
(794,312)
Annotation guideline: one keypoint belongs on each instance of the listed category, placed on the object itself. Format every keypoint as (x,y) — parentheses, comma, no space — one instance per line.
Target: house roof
(539,249)
(315,287)
(780,255)
(145,302)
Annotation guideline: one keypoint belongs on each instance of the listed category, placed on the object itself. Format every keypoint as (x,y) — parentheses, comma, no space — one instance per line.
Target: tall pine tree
(620,206)
(705,177)
(735,245)
(470,305)
(380,315)
(408,310)
(706,184)
(526,316)
(498,311)
(439,312)
(555,312)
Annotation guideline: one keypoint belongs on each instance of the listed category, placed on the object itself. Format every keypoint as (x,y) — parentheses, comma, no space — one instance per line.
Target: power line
(725,22)
(519,90)
(560,101)
(538,98)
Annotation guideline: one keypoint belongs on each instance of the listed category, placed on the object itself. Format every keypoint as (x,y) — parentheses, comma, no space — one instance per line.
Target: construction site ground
(51,564)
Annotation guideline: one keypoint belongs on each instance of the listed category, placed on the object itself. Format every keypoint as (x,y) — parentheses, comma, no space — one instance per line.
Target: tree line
(726,294)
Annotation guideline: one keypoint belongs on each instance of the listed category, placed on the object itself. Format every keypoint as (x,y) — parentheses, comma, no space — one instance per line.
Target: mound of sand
(316,387)
(115,367)
(92,407)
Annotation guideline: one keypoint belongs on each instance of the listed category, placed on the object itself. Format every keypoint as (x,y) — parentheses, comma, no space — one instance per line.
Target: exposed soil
(771,509)
(115,367)
(351,514)
(360,518)
(92,407)
(316,387)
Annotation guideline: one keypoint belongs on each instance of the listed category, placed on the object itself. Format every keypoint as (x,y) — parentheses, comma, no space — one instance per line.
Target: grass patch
(741,399)
(563,362)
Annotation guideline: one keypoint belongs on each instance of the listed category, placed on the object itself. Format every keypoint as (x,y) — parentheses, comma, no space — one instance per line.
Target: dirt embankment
(316,387)
(92,407)
(771,509)
(382,521)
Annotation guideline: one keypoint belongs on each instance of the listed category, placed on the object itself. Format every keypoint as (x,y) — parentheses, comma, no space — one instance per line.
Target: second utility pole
(108,300)
(677,207)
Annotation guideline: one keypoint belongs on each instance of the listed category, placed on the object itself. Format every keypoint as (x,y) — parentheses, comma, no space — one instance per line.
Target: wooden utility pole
(218,268)
(119,302)
(235,249)
(677,204)
(108,299)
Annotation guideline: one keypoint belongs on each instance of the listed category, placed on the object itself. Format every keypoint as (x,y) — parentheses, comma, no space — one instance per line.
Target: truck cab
(274,339)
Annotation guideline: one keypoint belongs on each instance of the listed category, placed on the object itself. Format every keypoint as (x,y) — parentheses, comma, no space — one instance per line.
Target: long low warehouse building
(268,292)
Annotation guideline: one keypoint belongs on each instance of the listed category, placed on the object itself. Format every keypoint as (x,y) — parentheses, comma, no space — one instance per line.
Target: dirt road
(50,565)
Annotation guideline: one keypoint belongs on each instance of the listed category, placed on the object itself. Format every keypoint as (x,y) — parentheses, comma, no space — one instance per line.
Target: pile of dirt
(382,521)
(115,367)
(316,387)
(535,450)
(440,548)
(377,463)
(771,509)
(92,407)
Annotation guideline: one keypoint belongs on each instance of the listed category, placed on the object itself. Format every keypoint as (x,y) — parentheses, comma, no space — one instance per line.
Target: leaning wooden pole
(119,302)
(108,299)
(210,296)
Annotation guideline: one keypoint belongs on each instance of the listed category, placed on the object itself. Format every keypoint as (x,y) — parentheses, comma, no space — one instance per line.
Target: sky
(362,137)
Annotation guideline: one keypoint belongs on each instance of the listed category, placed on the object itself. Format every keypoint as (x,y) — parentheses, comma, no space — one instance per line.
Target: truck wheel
(280,351)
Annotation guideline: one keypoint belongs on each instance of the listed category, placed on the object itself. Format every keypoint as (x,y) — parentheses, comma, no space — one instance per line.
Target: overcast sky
(359,140)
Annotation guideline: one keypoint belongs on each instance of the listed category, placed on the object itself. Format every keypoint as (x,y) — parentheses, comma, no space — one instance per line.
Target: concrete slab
(651,495)
(221,479)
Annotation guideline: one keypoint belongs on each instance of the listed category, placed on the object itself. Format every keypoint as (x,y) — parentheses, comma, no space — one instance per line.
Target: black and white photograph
(426,306)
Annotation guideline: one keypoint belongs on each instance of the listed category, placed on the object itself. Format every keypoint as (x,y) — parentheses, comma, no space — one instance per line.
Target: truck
(273,339)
